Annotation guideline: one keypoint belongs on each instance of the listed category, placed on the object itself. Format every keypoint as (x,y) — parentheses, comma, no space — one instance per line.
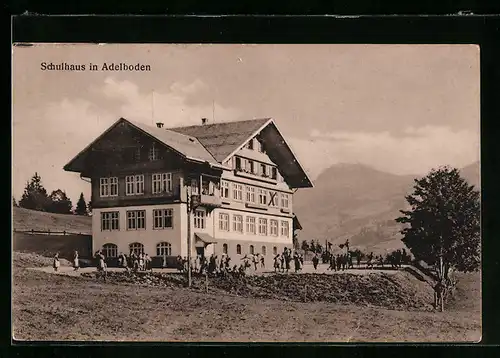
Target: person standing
(296,261)
(122,260)
(101,268)
(76,261)
(315,261)
(56,263)
(147,261)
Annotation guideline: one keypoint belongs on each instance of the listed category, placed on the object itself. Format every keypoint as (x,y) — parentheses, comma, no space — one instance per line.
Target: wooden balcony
(244,174)
(207,201)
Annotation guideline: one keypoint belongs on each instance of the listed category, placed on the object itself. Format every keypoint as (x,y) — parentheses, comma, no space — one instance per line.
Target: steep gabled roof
(222,139)
(186,146)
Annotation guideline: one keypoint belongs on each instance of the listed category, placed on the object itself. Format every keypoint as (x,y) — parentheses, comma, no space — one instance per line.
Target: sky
(403,109)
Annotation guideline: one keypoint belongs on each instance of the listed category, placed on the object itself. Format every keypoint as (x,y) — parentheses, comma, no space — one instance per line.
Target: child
(56,262)
(76,261)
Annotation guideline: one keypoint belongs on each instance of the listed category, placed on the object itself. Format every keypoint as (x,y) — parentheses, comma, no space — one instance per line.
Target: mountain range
(359,203)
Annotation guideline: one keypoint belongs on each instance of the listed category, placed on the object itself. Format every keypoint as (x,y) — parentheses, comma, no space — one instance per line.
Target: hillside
(359,203)
(25,219)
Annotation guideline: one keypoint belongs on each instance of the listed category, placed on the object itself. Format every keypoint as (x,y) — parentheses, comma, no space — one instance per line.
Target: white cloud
(169,107)
(45,139)
(420,150)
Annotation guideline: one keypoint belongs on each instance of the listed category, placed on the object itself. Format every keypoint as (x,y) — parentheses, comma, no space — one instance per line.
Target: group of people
(222,266)
(135,262)
(282,261)
(341,262)
(57,263)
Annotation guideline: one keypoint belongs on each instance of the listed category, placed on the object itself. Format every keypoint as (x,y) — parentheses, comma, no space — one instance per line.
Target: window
(249,165)
(162,183)
(264,250)
(110,250)
(251,225)
(250,191)
(110,220)
(194,187)
(262,226)
(162,218)
(154,153)
(285,230)
(237,192)
(274,173)
(252,251)
(164,249)
(136,220)
(199,219)
(238,249)
(224,222)
(263,170)
(224,249)
(273,198)
(137,248)
(134,184)
(104,187)
(260,147)
(238,223)
(284,200)
(108,187)
(262,197)
(250,144)
(113,183)
(205,187)
(274,227)
(137,154)
(275,250)
(237,163)
(224,193)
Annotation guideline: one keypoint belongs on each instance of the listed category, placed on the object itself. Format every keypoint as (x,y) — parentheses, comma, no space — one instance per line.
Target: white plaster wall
(149,237)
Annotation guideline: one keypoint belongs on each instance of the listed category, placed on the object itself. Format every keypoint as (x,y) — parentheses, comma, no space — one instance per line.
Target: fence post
(32,231)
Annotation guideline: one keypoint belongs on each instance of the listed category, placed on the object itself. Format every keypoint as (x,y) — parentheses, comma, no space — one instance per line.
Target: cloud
(172,107)
(415,152)
(46,138)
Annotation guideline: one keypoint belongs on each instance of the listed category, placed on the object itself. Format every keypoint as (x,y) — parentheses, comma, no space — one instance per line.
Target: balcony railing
(262,177)
(207,200)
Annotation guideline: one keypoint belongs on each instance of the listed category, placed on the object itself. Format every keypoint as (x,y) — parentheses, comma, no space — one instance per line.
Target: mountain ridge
(359,203)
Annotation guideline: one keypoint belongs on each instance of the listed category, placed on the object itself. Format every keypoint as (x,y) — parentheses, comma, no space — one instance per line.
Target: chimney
(203,121)
(159,124)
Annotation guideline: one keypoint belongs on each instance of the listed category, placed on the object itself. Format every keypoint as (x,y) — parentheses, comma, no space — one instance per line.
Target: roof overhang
(296,223)
(202,239)
(75,165)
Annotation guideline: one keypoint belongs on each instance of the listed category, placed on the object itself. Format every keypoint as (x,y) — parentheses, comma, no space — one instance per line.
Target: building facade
(224,188)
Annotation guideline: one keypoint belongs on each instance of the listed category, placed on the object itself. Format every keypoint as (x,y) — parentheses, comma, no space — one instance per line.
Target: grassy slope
(25,219)
(55,307)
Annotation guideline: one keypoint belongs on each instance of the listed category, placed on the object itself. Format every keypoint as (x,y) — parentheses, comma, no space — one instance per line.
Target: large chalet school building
(236,181)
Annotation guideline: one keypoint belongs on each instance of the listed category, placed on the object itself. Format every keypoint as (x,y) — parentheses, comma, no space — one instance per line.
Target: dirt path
(308,268)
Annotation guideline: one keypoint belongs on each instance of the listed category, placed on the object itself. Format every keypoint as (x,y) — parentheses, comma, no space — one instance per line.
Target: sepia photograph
(323,193)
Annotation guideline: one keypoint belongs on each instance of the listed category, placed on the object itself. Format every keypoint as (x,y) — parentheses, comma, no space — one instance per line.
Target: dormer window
(250,144)
(154,153)
(249,166)
(274,173)
(237,163)
(263,170)
(260,147)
